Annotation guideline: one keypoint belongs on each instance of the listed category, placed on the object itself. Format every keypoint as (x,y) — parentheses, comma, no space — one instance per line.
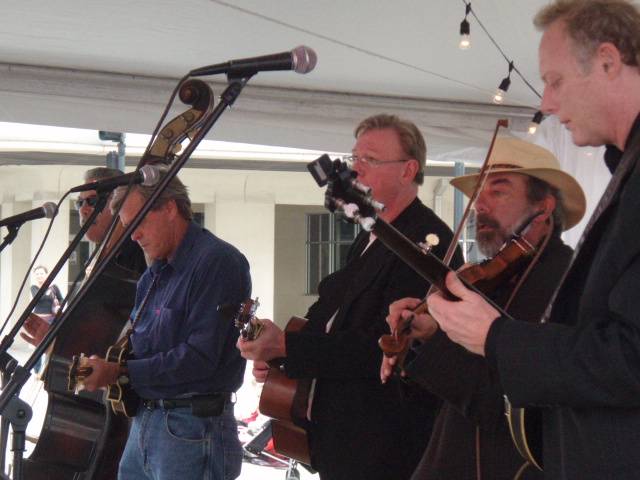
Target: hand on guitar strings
(36,328)
(103,373)
(269,344)
(415,326)
(467,321)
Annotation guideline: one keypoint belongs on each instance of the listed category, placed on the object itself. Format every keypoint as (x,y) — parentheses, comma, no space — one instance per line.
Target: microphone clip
(342,183)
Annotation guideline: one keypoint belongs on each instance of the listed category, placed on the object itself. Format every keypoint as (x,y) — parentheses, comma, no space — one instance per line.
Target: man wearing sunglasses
(130,255)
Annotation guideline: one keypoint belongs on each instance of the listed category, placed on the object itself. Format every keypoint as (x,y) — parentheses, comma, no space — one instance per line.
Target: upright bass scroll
(81,438)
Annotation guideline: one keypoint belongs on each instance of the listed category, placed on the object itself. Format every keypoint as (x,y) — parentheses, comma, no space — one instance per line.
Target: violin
(486,276)
(481,275)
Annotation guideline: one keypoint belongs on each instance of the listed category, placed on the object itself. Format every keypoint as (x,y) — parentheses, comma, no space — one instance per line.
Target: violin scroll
(396,343)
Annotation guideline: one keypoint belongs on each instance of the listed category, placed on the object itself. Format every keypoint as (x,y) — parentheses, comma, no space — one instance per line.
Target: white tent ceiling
(112,66)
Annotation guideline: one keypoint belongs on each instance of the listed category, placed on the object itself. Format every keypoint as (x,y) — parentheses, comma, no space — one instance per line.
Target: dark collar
(613,154)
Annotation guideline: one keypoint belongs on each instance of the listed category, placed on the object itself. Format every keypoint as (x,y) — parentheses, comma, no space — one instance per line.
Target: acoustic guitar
(283,399)
(286,401)
(123,399)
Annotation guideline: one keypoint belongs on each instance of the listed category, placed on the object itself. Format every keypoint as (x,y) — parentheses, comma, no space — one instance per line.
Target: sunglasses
(90,201)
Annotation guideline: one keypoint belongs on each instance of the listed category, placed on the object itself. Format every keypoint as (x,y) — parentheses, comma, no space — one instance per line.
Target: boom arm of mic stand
(228,97)
(20,375)
(10,237)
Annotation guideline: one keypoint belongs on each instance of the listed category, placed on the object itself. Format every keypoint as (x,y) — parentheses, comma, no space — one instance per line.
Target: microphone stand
(11,236)
(228,97)
(18,374)
(15,376)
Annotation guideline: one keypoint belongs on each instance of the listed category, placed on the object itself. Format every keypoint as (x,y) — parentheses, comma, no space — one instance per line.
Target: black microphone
(147,175)
(301,60)
(48,210)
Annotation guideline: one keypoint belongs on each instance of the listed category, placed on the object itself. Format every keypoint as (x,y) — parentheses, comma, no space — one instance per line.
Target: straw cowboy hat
(518,156)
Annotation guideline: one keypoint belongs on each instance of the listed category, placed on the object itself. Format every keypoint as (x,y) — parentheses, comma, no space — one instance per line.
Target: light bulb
(465,43)
(504,86)
(465,30)
(535,122)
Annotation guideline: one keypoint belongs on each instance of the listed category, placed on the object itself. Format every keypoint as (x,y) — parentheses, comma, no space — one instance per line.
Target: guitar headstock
(246,320)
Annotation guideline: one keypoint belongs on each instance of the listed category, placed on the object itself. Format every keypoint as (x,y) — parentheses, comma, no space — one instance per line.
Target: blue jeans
(177,445)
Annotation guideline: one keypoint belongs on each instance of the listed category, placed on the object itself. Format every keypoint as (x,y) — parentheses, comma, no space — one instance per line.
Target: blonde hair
(590,23)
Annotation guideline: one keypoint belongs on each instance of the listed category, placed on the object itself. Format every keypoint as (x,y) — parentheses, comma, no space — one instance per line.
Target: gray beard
(490,243)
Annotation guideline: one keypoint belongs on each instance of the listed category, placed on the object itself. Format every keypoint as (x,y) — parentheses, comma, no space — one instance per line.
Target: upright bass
(81,437)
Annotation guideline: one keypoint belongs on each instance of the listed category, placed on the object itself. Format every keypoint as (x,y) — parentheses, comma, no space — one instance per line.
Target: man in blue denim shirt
(185,365)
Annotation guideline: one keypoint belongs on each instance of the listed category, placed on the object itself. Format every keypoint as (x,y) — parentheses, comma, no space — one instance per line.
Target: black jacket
(472,391)
(361,428)
(584,364)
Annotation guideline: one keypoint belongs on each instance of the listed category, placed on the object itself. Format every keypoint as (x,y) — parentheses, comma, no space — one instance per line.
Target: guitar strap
(621,174)
(125,341)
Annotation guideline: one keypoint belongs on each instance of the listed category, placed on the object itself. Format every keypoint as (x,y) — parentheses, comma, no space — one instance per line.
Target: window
(468,243)
(329,237)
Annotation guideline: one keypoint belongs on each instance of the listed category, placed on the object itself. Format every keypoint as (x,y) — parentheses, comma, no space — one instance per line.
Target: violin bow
(396,343)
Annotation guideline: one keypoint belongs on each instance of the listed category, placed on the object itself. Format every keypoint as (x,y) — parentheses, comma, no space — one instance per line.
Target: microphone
(147,175)
(301,60)
(48,210)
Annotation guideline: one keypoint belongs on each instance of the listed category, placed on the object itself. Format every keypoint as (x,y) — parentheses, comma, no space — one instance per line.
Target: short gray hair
(100,173)
(176,190)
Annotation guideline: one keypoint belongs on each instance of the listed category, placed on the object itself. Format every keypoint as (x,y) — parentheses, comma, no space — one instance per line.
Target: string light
(504,86)
(535,123)
(465,30)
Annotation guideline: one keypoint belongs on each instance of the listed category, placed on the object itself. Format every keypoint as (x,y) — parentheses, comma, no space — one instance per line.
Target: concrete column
(6,267)
(250,228)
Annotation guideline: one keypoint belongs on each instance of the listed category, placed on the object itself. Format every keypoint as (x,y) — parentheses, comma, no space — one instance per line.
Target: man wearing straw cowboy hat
(471,439)
(583,362)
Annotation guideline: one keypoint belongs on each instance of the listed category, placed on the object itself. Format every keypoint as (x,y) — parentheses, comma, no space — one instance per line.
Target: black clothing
(471,387)
(46,303)
(583,363)
(131,257)
(359,427)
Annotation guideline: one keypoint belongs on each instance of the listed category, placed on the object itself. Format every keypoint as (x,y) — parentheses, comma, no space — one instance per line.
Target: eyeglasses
(351,160)
(91,201)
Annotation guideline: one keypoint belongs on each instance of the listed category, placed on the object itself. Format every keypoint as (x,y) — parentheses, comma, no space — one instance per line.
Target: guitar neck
(430,267)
